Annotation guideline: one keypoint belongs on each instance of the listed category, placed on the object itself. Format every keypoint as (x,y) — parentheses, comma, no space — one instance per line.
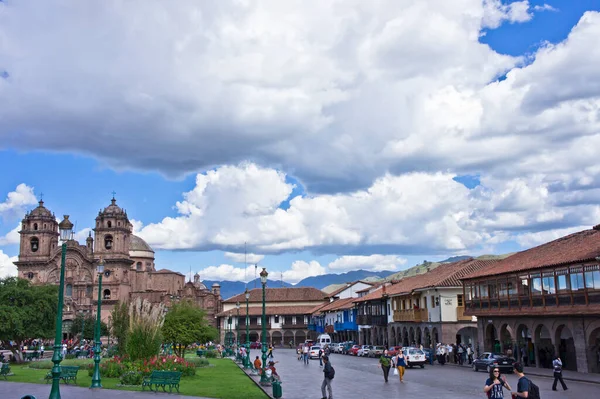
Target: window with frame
(592,279)
(503,292)
(562,280)
(548,283)
(576,277)
(460,300)
(524,286)
(511,287)
(276,319)
(69,290)
(536,284)
(493,290)
(483,291)
(432,302)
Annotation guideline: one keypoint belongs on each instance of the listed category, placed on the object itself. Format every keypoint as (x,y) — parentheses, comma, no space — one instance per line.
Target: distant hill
(492,257)
(324,280)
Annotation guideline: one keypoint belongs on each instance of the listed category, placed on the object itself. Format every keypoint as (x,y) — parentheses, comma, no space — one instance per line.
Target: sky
(314,136)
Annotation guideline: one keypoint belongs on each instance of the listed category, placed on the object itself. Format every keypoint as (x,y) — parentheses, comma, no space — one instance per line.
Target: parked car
(354,350)
(255,345)
(393,350)
(346,348)
(364,350)
(487,360)
(338,348)
(314,351)
(377,351)
(414,357)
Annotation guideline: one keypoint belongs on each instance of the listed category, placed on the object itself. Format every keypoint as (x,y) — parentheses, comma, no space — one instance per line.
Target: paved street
(358,378)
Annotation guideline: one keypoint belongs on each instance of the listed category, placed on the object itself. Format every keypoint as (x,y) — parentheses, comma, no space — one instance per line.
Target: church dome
(113,208)
(41,210)
(137,244)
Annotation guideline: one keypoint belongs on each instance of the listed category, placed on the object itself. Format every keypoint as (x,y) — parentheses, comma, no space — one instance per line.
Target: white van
(323,339)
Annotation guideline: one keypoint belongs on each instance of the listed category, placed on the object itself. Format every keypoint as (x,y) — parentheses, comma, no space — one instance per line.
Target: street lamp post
(237,326)
(263,280)
(66,228)
(96,383)
(82,314)
(229,331)
(247,330)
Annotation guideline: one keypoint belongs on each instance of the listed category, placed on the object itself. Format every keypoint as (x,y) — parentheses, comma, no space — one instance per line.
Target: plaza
(361,378)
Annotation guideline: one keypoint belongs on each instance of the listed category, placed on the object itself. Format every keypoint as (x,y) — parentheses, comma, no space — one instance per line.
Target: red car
(393,350)
(354,350)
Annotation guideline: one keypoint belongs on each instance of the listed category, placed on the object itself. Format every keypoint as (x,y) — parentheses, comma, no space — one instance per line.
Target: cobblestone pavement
(358,378)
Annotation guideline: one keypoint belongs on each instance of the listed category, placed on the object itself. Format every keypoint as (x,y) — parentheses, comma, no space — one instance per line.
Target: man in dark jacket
(327,371)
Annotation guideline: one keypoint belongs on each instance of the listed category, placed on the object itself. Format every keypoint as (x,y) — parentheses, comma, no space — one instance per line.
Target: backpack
(534,391)
(331,374)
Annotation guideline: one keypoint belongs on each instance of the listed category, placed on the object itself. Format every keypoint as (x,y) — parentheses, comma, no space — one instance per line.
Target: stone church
(129,269)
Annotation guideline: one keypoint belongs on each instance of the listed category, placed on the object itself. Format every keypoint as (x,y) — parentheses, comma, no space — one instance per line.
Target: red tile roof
(337,305)
(445,275)
(270,310)
(578,247)
(290,294)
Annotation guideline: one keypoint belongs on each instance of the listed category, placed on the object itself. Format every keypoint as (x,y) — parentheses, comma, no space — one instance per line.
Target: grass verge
(225,381)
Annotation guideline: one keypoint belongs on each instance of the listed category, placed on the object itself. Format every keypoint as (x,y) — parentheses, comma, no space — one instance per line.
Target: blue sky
(350,153)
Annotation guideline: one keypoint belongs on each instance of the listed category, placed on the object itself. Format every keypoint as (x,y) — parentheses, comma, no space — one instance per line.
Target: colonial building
(129,270)
(288,312)
(542,302)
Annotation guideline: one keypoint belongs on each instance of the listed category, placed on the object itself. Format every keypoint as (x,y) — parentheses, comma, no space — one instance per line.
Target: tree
(89,326)
(119,319)
(185,323)
(26,312)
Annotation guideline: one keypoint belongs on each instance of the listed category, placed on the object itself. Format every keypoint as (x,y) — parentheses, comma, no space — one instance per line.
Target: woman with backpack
(401,364)
(494,386)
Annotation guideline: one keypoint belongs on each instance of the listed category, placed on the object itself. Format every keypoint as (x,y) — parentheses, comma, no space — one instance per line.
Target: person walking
(270,354)
(328,374)
(524,385)
(384,362)
(401,364)
(557,365)
(305,354)
(494,386)
(320,357)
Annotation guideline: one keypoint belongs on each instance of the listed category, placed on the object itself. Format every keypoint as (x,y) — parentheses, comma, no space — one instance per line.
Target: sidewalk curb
(256,382)
(540,374)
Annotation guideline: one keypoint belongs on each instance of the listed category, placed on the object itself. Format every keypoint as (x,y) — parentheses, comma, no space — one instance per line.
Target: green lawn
(225,380)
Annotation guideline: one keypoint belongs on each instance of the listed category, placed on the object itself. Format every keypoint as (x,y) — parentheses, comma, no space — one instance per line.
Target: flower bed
(118,366)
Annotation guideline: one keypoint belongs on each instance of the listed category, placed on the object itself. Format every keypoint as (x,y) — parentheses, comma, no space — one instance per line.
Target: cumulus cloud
(417,213)
(12,237)
(301,269)
(17,201)
(7,267)
(496,12)
(371,262)
(241,258)
(545,7)
(227,272)
(83,234)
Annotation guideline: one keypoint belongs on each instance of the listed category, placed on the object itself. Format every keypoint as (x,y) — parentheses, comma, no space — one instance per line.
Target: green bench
(4,370)
(162,379)
(67,373)
(32,356)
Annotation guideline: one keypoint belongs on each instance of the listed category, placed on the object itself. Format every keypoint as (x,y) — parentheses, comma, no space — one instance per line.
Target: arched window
(109,224)
(30,275)
(138,266)
(35,244)
(35,226)
(108,242)
(44,225)
(106,294)
(69,290)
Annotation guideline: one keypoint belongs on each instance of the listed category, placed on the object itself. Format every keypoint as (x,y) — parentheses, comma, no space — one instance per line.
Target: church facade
(129,268)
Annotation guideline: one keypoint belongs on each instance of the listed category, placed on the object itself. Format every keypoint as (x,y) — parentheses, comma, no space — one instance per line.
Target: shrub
(198,362)
(70,356)
(131,378)
(117,367)
(211,354)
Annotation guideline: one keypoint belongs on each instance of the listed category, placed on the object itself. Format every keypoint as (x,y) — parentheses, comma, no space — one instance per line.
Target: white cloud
(496,12)
(83,234)
(528,240)
(7,268)
(17,201)
(301,269)
(372,262)
(545,7)
(226,272)
(241,258)
(12,237)
(137,225)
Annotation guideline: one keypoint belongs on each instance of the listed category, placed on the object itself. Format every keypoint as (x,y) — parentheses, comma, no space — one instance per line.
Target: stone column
(579,340)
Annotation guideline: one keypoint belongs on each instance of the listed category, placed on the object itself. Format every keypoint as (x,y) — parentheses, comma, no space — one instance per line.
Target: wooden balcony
(460,314)
(413,315)
(290,326)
